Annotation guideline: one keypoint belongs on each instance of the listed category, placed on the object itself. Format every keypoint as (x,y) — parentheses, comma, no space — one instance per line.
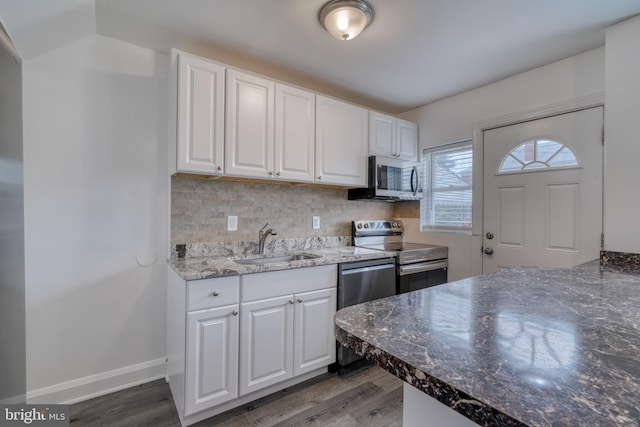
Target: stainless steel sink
(269,260)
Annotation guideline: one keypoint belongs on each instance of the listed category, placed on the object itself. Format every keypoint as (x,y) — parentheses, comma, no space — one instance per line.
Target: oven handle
(421,267)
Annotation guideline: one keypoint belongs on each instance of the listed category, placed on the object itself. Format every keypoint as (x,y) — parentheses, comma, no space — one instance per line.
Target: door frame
(553,109)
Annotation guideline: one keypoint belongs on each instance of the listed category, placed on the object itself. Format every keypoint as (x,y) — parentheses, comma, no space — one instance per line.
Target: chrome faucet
(262,236)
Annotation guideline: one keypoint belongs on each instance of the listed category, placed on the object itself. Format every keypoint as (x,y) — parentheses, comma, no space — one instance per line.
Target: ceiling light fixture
(345,19)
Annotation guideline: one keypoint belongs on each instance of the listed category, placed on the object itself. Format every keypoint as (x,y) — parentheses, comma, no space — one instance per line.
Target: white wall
(452,119)
(95,146)
(12,281)
(622,146)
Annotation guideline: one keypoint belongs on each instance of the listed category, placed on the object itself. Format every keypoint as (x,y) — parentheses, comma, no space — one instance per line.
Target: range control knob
(366,225)
(359,226)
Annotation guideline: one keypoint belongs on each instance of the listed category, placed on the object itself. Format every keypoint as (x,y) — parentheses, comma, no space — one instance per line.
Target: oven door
(420,275)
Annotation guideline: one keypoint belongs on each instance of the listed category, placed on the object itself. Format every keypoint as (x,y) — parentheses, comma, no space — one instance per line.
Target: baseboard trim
(86,388)
(14,400)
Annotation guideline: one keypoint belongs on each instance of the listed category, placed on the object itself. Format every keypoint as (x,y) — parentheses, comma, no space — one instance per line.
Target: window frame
(547,167)
(426,222)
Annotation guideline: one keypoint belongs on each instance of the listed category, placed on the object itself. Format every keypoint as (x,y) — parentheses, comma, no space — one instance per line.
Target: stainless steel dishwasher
(359,282)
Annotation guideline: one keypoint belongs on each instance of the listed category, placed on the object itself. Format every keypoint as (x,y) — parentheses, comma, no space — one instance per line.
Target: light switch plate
(316,222)
(232,223)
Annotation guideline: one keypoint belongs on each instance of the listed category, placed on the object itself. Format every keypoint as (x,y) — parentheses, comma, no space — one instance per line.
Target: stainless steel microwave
(390,179)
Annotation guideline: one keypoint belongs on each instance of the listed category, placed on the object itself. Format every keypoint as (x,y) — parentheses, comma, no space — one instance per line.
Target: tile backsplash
(199,210)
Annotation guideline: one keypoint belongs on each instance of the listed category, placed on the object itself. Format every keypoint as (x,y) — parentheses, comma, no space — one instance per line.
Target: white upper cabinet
(406,140)
(382,134)
(200,116)
(341,143)
(235,123)
(295,133)
(249,125)
(392,137)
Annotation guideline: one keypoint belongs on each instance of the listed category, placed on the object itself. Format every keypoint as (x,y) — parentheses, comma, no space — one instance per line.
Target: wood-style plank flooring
(368,396)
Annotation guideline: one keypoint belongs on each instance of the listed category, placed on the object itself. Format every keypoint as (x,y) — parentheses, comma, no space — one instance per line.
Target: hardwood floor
(367,397)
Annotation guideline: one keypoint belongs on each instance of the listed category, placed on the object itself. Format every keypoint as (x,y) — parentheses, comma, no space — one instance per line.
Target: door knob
(489,235)
(488,251)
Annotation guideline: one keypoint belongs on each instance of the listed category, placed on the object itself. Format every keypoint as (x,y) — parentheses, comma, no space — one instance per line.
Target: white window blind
(447,202)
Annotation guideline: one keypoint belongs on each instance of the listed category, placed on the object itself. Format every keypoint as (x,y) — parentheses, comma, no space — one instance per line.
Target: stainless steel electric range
(418,265)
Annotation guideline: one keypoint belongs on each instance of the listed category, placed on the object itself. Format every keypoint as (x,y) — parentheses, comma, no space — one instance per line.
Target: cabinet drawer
(208,293)
(287,282)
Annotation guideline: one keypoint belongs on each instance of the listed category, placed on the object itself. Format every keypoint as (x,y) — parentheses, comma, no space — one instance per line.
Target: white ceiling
(414,52)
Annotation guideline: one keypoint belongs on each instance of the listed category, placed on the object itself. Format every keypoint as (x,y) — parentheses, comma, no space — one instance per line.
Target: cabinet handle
(234,312)
(215,293)
(290,301)
(299,300)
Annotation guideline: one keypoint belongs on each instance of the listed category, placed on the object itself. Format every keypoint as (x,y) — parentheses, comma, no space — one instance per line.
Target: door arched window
(538,154)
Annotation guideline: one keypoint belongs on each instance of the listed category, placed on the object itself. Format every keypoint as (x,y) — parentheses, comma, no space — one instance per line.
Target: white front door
(543,192)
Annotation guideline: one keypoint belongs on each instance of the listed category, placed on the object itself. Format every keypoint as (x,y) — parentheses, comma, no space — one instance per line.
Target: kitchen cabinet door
(249,125)
(211,358)
(392,137)
(341,143)
(266,343)
(294,133)
(315,344)
(406,140)
(382,135)
(200,128)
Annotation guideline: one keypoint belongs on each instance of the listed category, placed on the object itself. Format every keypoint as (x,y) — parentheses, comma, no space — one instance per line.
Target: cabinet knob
(299,300)
(319,177)
(278,173)
(290,301)
(220,168)
(215,293)
(234,312)
(270,173)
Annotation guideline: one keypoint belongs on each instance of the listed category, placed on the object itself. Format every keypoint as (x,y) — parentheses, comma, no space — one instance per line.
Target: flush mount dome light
(345,19)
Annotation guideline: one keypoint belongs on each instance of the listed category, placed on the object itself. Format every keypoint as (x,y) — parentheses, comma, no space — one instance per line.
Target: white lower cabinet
(314,342)
(286,336)
(212,357)
(267,343)
(232,340)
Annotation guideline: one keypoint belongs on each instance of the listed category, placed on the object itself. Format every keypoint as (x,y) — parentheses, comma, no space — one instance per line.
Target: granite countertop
(529,346)
(194,268)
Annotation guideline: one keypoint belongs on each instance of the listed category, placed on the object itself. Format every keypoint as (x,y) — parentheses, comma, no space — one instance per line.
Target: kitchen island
(522,347)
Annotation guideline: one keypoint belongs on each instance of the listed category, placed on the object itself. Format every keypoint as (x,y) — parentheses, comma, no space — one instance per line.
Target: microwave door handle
(414,172)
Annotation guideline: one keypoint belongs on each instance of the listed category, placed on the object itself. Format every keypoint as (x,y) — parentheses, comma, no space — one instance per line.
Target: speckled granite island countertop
(194,268)
(534,347)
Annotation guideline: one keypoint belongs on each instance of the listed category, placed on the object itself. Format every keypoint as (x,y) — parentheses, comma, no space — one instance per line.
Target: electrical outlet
(316,222)
(232,223)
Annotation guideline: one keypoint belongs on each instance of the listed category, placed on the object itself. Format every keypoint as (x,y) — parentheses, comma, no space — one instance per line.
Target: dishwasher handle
(358,270)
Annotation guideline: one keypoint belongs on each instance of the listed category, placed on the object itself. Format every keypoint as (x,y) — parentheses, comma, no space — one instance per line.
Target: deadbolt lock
(489,235)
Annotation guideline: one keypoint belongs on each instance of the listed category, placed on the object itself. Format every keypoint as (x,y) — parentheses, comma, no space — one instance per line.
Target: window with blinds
(447,202)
